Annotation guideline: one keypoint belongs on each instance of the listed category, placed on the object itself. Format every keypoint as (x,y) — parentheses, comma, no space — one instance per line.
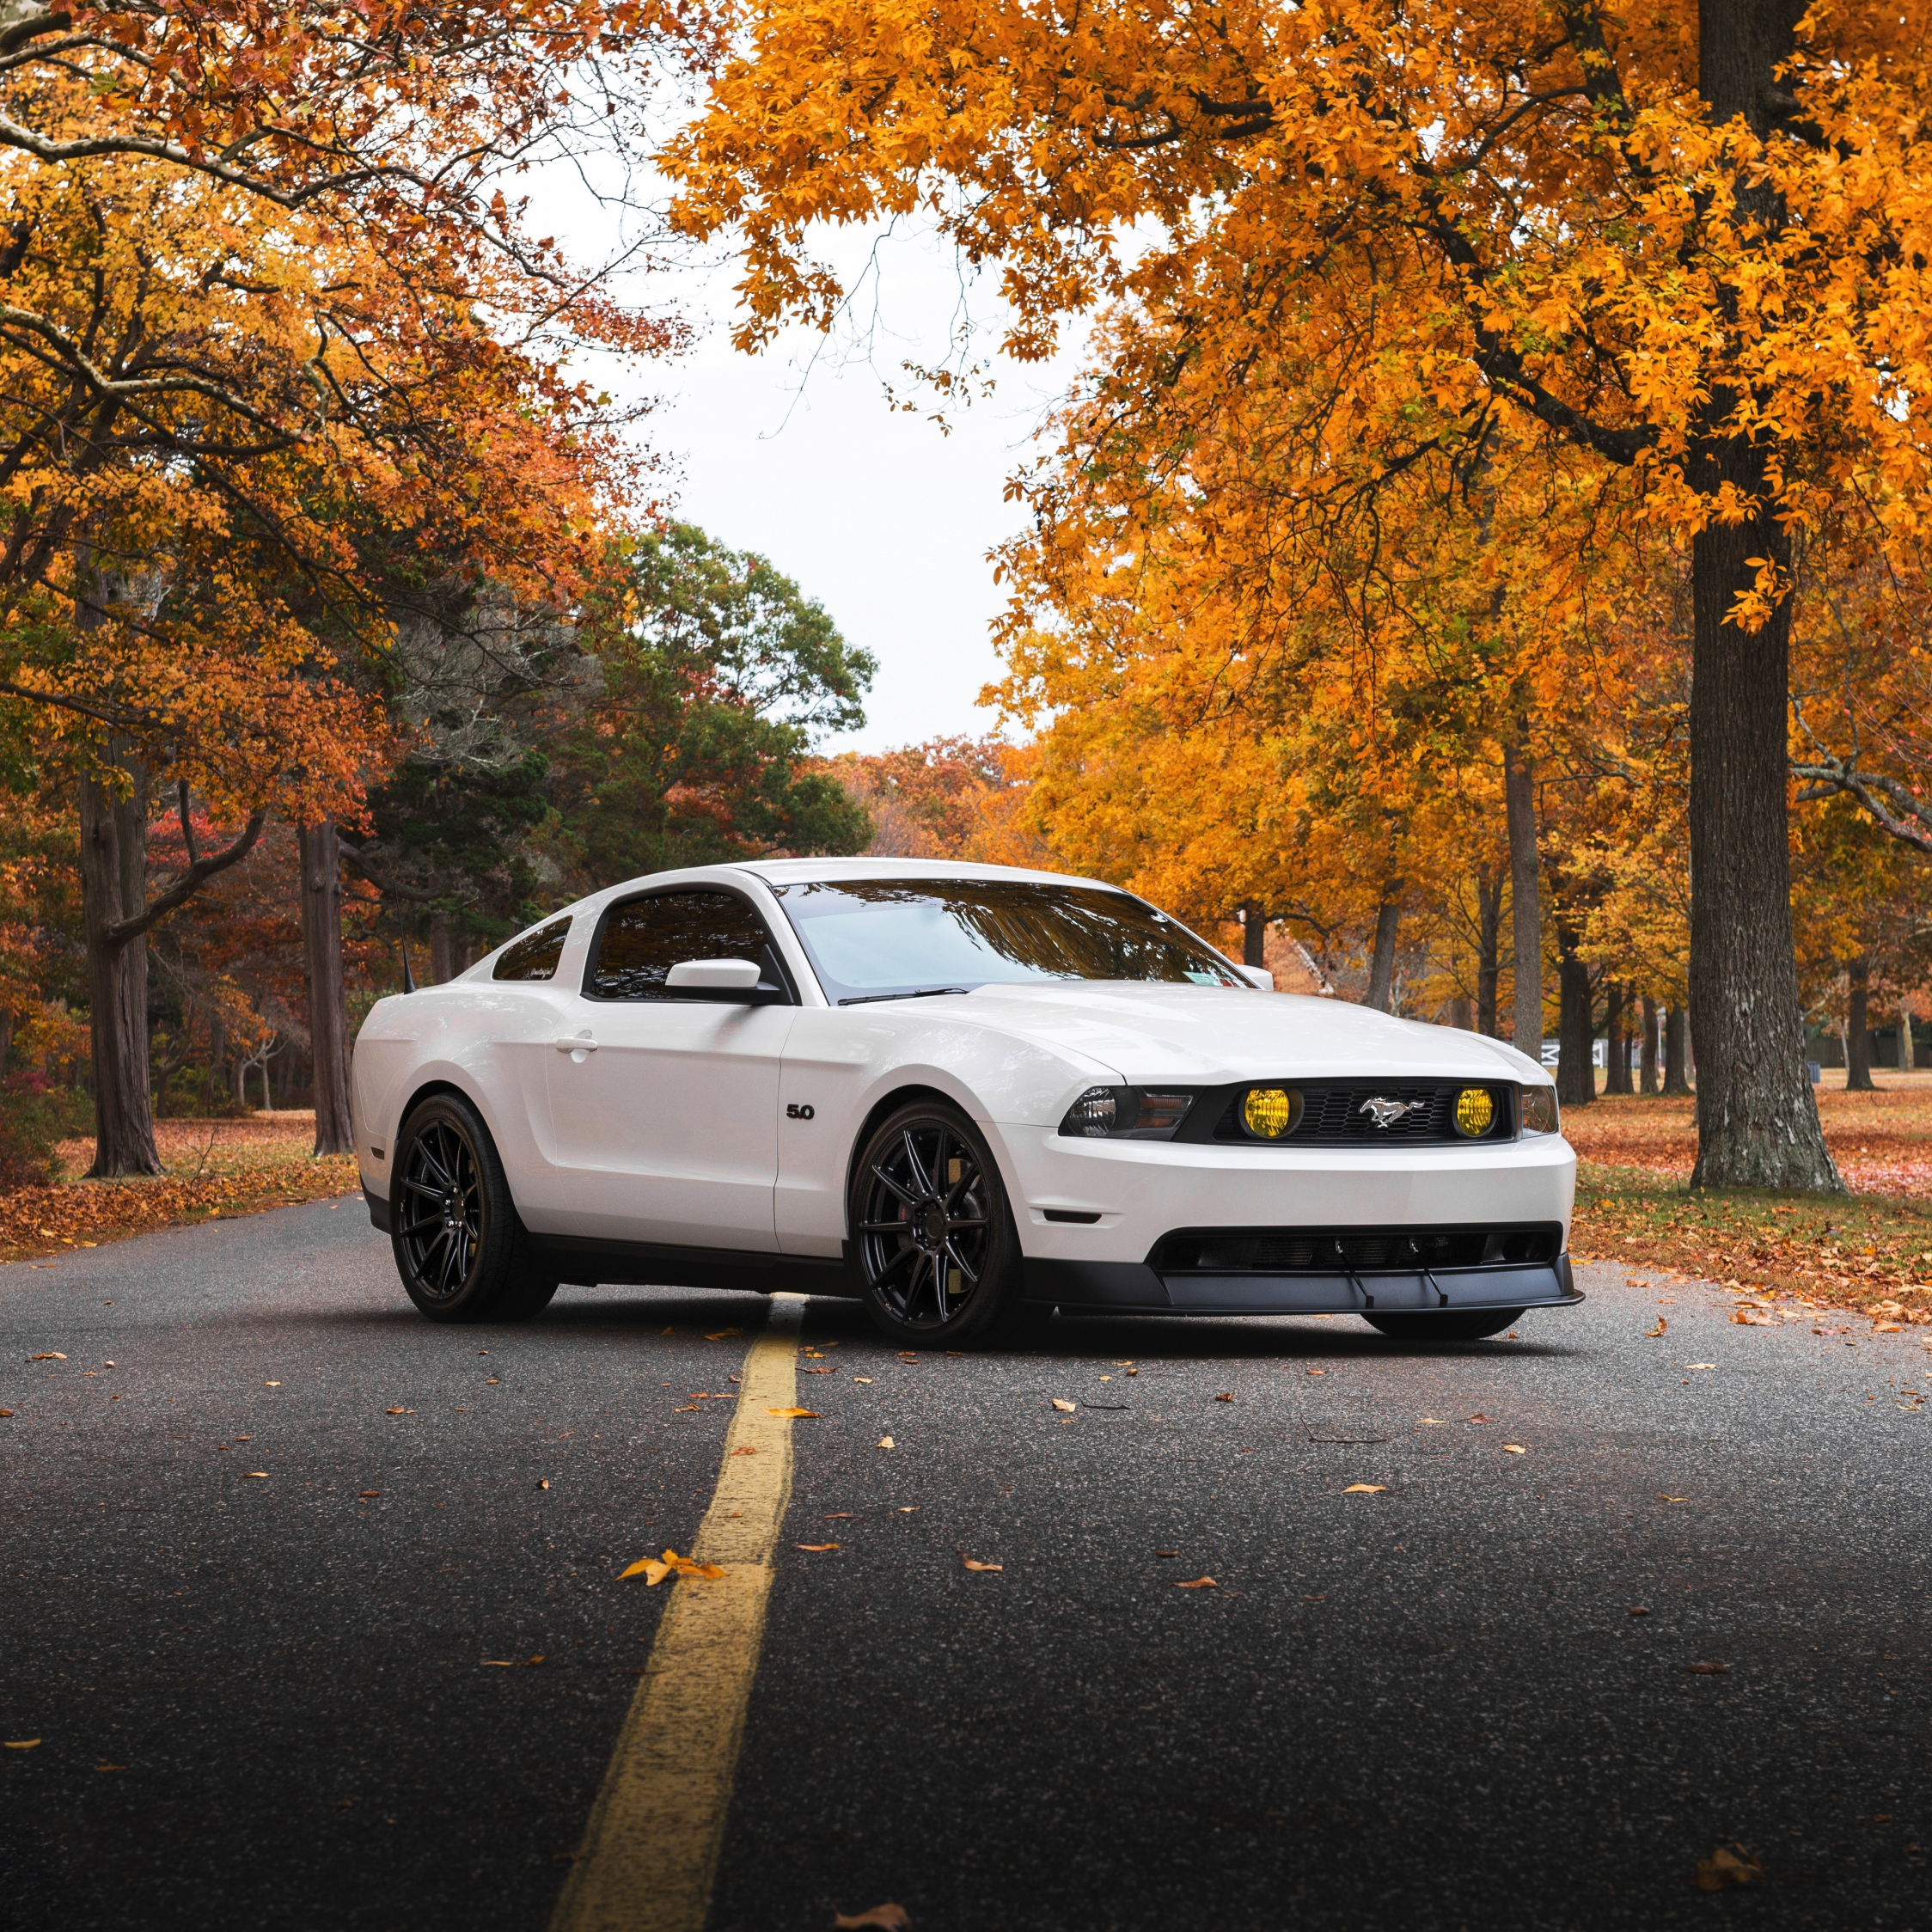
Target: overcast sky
(886,520)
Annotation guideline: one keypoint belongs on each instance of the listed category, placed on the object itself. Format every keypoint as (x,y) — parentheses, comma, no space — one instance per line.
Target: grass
(1870,1249)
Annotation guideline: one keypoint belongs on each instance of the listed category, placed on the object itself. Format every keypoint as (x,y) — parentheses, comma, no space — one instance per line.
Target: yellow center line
(650,1853)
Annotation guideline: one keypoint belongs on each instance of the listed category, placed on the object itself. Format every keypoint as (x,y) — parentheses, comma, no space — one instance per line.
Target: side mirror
(1257,976)
(714,975)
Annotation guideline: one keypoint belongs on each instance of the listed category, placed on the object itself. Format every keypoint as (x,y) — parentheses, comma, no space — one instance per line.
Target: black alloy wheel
(936,1247)
(1453,1324)
(459,1246)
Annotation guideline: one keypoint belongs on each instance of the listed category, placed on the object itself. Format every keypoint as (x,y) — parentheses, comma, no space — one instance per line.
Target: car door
(663,1101)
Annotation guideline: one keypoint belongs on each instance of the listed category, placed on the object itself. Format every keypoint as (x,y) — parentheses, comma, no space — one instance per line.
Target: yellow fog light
(1476,1112)
(1270,1112)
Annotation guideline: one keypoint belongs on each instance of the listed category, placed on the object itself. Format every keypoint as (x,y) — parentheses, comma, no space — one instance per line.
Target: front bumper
(1097,1213)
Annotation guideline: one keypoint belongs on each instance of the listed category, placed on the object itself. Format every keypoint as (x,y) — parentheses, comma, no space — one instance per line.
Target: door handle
(581,1043)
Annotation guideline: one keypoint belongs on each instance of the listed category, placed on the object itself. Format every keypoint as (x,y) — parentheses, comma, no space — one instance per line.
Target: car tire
(933,1242)
(460,1248)
(1464,1324)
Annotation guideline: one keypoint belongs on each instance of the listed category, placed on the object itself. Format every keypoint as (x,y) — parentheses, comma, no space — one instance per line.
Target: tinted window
(873,937)
(644,938)
(536,955)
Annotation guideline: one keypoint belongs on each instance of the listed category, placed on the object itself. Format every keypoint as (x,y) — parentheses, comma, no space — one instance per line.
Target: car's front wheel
(933,1239)
(460,1249)
(1463,1324)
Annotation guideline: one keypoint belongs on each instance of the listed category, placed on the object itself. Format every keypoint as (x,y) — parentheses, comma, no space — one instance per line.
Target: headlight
(1540,1110)
(1126,1114)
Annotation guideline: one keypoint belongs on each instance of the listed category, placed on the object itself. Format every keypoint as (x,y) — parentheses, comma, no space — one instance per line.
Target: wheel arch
(903,1096)
(428,1090)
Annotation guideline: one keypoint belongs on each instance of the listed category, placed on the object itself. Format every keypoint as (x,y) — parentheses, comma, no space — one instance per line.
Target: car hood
(1206,1034)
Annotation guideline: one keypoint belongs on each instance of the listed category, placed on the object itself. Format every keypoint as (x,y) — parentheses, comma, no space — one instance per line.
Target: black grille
(1294,1251)
(1338,1116)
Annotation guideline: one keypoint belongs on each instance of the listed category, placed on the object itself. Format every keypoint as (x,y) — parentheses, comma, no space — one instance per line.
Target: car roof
(799,871)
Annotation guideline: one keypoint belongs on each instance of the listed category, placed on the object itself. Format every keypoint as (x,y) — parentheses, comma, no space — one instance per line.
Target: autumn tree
(1675,244)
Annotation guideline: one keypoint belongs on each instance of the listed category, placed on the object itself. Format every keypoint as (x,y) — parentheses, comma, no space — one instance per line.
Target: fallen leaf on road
(1317,1371)
(392,1411)
(499,1663)
(22,1744)
(52,1355)
(1514,1449)
(1700,1365)
(110,1767)
(1662,1327)
(661,1331)
(971,1565)
(1661,1497)
(369,1492)
(654,1571)
(889,1918)
(1198,1583)
(1887,1328)
(1432,1422)
(649,1568)
(886,1442)
(1708,1670)
(748,1450)
(1167,1552)
(836,1516)
(1728,1865)
(272,1385)
(722,1333)
(815,1547)
(1479,1417)
(543,1482)
(861,1379)
(1365,1489)
(1068,1406)
(1639,1609)
(491,1381)
(1226,1396)
(810,1414)
(818,1372)
(536,1659)
(248,1472)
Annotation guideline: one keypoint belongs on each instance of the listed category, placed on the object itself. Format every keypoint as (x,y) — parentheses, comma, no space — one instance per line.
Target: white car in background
(956,1092)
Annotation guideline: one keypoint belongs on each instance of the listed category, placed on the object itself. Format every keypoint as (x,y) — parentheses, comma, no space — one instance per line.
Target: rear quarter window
(533,956)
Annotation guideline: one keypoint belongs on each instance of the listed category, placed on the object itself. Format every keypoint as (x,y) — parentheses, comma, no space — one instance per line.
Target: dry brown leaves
(214,1168)
(888,1918)
(1728,1865)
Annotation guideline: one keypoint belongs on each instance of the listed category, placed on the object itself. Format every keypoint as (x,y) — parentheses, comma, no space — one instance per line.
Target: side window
(536,955)
(644,938)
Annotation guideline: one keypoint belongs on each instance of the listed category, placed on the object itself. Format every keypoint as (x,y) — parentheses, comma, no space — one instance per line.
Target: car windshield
(891,939)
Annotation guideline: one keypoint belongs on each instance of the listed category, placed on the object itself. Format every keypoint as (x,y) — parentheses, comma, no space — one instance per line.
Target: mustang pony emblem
(1385,1112)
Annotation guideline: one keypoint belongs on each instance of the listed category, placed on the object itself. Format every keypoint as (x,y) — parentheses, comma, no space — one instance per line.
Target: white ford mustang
(957,1091)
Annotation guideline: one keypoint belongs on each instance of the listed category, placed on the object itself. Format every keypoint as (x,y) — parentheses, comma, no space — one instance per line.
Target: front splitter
(1135,1286)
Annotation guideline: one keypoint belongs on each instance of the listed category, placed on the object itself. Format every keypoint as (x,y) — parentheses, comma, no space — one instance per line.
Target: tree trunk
(114,887)
(1576,1074)
(1489,963)
(1526,902)
(1254,935)
(1617,1053)
(1757,1124)
(1382,962)
(1676,1053)
(442,956)
(1647,1060)
(1908,1059)
(328,1012)
(1858,1036)
(6,1038)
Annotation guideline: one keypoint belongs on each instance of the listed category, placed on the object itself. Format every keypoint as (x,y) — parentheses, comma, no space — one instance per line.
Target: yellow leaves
(1514,1449)
(1729,1865)
(1069,1407)
(884,1442)
(22,1743)
(1663,1327)
(52,1355)
(723,1333)
(972,1565)
(816,1548)
(247,1473)
(1365,1489)
(655,1569)
(1198,1583)
(801,1415)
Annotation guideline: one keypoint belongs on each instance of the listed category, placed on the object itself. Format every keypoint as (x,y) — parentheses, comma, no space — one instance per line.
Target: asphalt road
(1426,1706)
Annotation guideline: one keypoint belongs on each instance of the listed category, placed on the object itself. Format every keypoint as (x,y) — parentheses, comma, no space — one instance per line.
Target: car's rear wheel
(1454,1324)
(460,1249)
(937,1252)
